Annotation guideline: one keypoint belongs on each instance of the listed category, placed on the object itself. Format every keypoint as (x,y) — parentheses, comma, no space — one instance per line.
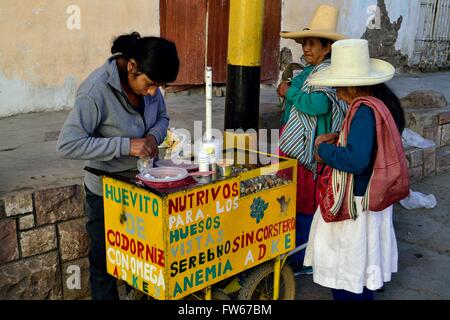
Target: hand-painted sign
(173,246)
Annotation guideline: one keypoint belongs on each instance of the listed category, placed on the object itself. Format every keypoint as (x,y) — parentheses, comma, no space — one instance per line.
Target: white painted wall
(296,15)
(356,18)
(42,61)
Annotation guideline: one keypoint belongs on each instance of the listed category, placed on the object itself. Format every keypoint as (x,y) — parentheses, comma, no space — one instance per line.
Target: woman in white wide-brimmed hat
(308,112)
(352,246)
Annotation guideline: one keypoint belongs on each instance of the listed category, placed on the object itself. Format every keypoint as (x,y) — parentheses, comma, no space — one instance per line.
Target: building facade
(52,46)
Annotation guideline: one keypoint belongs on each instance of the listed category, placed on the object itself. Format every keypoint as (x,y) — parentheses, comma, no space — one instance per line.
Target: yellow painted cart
(171,243)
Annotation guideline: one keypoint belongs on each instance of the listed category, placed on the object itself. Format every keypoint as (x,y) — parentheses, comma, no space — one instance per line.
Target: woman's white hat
(323,25)
(351,66)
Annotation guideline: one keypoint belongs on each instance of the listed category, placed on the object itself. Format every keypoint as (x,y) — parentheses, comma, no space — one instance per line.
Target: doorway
(200,30)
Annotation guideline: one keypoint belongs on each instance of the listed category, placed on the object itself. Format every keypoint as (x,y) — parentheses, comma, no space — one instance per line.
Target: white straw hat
(323,25)
(351,66)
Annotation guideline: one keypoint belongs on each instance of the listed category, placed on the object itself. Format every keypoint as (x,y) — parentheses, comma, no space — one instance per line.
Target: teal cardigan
(314,104)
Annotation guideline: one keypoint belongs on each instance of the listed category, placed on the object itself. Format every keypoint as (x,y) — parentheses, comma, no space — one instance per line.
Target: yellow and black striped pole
(244,64)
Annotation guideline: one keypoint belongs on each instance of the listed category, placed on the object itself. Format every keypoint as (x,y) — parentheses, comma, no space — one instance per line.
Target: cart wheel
(259,283)
(219,295)
(216,294)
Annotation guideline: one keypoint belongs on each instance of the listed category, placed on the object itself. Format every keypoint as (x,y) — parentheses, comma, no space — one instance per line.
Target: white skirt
(351,255)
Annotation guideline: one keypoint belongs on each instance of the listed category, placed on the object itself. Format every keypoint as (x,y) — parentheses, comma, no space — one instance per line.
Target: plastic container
(213,147)
(225,167)
(164,174)
(203,162)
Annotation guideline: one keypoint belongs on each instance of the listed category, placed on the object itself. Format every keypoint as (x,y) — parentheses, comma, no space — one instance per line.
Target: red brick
(8,240)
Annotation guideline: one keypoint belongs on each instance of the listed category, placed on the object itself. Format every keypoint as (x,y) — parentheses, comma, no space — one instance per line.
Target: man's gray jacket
(102,123)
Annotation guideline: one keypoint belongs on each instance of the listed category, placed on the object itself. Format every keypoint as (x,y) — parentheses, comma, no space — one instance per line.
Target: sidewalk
(28,159)
(404,84)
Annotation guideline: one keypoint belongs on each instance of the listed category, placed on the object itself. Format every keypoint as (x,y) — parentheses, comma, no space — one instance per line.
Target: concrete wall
(296,15)
(44,56)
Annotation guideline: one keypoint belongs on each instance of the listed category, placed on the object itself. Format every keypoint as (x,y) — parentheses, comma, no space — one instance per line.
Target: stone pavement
(28,162)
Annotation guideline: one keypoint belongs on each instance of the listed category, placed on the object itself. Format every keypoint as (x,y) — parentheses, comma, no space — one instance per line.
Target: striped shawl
(297,140)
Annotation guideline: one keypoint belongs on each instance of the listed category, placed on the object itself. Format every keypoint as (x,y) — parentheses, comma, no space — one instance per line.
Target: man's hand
(330,138)
(151,141)
(144,148)
(283,89)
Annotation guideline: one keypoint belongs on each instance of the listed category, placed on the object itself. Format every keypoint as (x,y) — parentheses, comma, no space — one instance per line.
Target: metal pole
(244,64)
(432,17)
(276,278)
(208,95)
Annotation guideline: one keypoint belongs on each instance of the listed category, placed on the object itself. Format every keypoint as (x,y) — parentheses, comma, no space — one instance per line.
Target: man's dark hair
(156,57)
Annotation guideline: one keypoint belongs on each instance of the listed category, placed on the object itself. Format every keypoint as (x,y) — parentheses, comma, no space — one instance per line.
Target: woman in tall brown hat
(309,111)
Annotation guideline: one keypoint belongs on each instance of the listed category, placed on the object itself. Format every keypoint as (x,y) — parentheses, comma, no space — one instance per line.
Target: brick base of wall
(44,245)
(432,124)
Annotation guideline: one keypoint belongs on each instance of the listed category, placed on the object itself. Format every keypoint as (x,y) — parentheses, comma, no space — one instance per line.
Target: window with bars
(433,37)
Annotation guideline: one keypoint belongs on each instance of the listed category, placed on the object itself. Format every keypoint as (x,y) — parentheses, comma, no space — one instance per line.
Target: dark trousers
(342,295)
(103,285)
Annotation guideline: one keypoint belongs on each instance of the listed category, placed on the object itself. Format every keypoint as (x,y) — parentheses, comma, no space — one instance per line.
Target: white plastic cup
(203,162)
(144,164)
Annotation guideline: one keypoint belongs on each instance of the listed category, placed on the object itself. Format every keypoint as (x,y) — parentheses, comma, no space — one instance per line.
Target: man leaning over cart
(119,115)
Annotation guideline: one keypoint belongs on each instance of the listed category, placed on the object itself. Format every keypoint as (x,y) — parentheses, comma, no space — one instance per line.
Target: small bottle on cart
(203,162)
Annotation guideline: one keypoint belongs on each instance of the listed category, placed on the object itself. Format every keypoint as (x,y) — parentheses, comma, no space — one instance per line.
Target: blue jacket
(358,155)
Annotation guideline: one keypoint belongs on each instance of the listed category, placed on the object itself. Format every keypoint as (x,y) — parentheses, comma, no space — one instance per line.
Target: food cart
(172,242)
